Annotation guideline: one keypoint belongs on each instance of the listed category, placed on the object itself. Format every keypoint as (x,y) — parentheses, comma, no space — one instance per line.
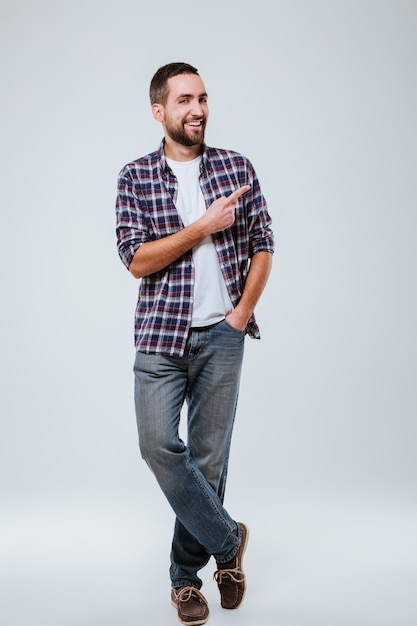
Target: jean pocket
(236,330)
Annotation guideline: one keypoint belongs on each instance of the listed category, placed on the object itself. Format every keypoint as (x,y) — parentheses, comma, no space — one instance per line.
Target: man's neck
(178,152)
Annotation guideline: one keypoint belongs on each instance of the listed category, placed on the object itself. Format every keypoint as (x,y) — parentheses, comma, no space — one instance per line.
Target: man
(193,225)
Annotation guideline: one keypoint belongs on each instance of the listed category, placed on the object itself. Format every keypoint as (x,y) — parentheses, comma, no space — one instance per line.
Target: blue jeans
(192,475)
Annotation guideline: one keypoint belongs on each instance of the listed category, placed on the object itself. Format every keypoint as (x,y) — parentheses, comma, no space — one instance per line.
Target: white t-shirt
(211,300)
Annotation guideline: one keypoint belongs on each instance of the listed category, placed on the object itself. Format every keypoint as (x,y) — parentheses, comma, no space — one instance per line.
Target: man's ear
(158,112)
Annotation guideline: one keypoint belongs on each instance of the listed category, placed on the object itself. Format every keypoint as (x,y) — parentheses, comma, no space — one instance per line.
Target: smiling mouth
(195,123)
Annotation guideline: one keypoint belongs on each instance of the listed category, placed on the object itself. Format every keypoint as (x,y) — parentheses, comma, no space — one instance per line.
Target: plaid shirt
(145,211)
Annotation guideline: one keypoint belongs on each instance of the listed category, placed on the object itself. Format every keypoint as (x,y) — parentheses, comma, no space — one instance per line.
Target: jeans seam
(212,504)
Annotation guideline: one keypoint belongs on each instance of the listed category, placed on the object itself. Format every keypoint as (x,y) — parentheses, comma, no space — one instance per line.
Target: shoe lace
(235,574)
(185,594)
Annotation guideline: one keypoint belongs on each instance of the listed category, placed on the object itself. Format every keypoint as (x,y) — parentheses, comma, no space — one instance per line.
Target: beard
(186,138)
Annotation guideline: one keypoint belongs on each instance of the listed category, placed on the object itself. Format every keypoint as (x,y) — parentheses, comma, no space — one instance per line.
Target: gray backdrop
(321,96)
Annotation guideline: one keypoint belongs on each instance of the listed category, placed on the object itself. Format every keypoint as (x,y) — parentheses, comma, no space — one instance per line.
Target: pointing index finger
(238,192)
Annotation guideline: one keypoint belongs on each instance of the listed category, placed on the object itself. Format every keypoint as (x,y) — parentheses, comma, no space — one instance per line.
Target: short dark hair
(158,91)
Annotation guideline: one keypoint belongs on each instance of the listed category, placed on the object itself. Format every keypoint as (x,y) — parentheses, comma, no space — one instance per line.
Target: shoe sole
(197,622)
(243,550)
(245,545)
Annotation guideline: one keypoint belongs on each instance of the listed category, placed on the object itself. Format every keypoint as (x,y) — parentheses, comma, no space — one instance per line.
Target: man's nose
(196,108)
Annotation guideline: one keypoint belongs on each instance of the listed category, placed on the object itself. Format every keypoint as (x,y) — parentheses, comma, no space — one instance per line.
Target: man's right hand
(221,213)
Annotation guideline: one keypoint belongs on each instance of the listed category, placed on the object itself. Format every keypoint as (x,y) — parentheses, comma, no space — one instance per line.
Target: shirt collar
(163,162)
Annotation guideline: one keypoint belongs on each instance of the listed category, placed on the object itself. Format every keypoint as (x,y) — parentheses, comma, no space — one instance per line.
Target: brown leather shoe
(191,605)
(230,576)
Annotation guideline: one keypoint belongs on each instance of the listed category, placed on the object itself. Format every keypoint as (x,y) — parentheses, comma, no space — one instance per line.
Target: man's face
(186,111)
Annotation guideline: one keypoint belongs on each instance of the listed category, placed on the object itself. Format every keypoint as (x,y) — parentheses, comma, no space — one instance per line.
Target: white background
(321,96)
